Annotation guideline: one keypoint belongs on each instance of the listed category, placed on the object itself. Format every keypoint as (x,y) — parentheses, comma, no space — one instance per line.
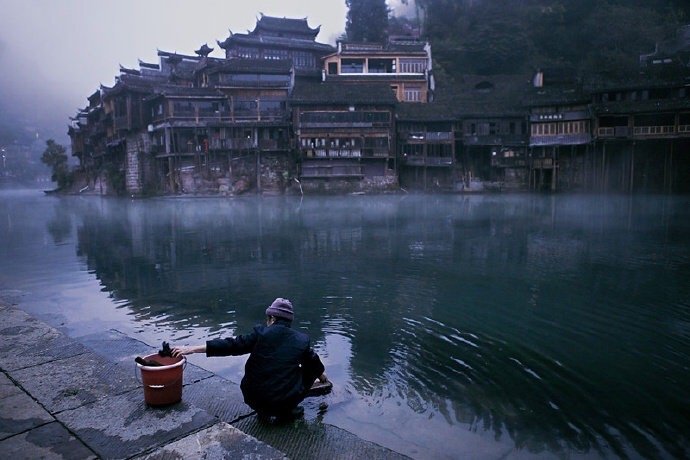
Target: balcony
(423,137)
(560,139)
(508,162)
(346,153)
(613,132)
(331,170)
(544,163)
(654,131)
(274,144)
(240,143)
(494,139)
(420,160)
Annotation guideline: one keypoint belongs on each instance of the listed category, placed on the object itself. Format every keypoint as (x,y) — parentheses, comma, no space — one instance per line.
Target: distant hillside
(488,37)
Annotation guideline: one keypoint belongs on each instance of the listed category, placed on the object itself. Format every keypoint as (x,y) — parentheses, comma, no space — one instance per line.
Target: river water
(512,326)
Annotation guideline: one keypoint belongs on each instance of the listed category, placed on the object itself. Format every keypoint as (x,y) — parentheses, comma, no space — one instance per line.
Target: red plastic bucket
(162,384)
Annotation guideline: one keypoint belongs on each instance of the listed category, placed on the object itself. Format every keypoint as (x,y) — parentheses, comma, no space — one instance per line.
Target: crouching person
(281,368)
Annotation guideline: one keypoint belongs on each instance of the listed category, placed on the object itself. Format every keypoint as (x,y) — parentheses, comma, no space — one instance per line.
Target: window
(381,66)
(183,108)
(412,65)
(303,59)
(275,54)
(250,53)
(120,107)
(332,68)
(345,117)
(413,93)
(245,105)
(352,66)
(278,79)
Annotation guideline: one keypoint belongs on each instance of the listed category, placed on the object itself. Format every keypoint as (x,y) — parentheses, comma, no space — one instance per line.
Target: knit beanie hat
(280,308)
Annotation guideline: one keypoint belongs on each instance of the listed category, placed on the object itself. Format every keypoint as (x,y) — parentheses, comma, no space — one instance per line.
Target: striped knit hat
(280,308)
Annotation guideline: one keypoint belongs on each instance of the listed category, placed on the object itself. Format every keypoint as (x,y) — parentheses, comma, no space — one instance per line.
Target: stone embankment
(64,397)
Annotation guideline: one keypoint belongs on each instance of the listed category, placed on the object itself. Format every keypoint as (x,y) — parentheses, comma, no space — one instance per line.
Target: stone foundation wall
(141,175)
(374,184)
(133,173)
(237,175)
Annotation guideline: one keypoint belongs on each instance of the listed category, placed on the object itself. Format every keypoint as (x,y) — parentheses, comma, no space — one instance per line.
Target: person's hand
(179,351)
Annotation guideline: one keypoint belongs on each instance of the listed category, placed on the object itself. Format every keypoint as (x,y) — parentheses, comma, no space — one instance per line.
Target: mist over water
(452,326)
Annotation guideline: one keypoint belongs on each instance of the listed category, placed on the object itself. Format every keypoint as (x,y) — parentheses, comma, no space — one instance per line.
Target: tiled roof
(287,25)
(148,65)
(182,91)
(271,66)
(136,85)
(342,94)
(275,42)
(409,47)
(649,106)
(540,97)
(204,50)
(477,95)
(432,111)
(598,84)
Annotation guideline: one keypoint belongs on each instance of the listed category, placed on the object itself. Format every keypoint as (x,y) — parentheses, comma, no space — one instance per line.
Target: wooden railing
(653,130)
(420,160)
(346,153)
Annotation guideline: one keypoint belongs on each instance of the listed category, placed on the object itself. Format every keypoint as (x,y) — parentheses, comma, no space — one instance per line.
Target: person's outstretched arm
(179,351)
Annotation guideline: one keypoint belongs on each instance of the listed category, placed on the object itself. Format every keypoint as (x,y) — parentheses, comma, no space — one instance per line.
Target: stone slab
(68,383)
(221,441)
(25,351)
(19,413)
(124,426)
(13,317)
(312,439)
(219,397)
(7,387)
(117,347)
(51,442)
(26,341)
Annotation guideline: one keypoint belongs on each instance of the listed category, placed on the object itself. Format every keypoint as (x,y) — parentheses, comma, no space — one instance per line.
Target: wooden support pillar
(670,171)
(424,164)
(554,169)
(171,174)
(603,168)
(632,167)
(258,171)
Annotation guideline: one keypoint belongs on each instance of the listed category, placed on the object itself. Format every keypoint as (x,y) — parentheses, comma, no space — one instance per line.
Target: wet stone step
(50,441)
(124,426)
(221,441)
(72,382)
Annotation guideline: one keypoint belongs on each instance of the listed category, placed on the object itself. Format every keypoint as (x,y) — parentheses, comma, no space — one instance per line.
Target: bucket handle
(157,387)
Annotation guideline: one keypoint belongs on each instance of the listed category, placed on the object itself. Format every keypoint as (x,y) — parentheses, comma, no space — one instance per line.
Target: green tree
(511,36)
(367,21)
(55,158)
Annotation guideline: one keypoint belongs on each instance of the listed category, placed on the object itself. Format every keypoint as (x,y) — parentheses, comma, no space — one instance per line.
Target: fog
(54,54)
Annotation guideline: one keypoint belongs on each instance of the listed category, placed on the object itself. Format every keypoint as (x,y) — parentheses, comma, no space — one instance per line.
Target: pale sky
(60,51)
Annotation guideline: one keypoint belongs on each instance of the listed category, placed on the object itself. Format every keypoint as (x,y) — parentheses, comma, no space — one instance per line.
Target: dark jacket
(280,369)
